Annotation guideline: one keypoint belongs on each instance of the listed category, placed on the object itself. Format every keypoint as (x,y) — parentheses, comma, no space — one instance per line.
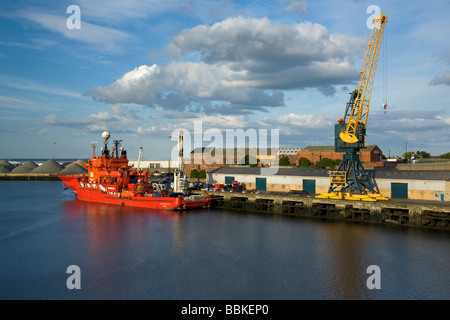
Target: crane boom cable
(385,67)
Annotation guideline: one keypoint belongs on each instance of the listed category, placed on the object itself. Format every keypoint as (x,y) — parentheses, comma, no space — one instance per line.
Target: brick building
(290,153)
(209,159)
(317,153)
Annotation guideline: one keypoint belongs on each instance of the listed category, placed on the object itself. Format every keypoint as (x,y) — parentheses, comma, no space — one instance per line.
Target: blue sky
(142,69)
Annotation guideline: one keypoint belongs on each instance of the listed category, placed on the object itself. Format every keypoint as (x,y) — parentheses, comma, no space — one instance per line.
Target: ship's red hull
(106,193)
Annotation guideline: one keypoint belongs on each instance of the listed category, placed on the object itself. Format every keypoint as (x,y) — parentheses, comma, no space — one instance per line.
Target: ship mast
(93,148)
(180,151)
(116,147)
(139,159)
(178,180)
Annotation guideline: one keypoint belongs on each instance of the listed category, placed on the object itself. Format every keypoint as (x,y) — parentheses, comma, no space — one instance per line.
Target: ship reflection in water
(124,243)
(212,254)
(135,253)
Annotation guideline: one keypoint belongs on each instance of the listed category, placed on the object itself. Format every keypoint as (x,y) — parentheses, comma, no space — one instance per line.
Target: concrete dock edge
(409,213)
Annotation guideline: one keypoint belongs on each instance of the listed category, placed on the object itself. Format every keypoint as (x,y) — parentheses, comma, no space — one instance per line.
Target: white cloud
(424,130)
(261,45)
(294,124)
(244,64)
(204,122)
(43,131)
(14,103)
(220,121)
(444,79)
(299,6)
(118,11)
(27,85)
(412,120)
(148,131)
(446,120)
(180,85)
(113,11)
(118,118)
(100,37)
(304,120)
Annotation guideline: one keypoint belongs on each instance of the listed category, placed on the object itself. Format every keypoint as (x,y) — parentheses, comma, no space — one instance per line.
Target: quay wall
(29,176)
(409,213)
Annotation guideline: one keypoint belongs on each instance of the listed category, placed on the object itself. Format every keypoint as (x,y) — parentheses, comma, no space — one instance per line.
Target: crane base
(350,196)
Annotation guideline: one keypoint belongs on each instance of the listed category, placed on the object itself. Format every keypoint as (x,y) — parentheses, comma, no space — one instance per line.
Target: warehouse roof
(307,172)
(412,174)
(228,151)
(289,151)
(282,171)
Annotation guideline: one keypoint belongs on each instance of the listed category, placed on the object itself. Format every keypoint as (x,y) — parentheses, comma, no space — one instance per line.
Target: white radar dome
(105,135)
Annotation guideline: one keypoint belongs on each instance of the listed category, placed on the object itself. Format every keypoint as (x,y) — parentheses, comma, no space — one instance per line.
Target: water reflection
(137,253)
(132,253)
(344,251)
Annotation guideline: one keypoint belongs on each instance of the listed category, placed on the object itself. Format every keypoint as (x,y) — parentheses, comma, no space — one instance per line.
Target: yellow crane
(351,180)
(360,108)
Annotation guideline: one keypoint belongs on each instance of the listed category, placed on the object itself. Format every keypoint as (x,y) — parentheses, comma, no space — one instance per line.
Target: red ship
(110,179)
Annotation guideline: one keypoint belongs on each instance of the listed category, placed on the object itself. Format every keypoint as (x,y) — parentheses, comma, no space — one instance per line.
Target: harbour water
(129,253)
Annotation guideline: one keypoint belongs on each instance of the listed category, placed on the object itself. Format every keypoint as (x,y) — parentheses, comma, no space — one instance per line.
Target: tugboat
(110,179)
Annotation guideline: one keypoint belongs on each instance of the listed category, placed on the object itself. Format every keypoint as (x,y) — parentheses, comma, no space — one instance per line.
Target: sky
(142,70)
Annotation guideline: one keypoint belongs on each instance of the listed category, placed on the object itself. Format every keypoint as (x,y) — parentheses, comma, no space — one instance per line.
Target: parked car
(237,186)
(207,186)
(197,186)
(218,186)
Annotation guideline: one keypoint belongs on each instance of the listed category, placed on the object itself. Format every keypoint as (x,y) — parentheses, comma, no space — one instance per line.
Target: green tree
(317,165)
(326,162)
(418,154)
(251,161)
(202,174)
(284,161)
(445,155)
(194,173)
(422,154)
(304,163)
(407,155)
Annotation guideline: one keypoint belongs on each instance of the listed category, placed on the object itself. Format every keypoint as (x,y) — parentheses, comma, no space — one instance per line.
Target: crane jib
(358,111)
